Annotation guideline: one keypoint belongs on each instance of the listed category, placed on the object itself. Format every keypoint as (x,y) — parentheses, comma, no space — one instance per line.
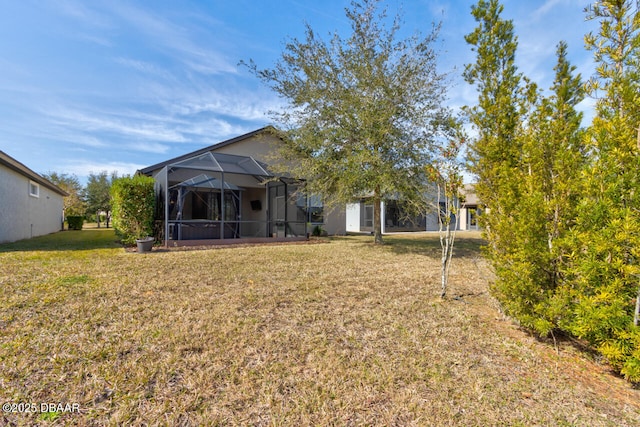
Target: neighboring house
(31,205)
(394,218)
(227,192)
(360,215)
(470,209)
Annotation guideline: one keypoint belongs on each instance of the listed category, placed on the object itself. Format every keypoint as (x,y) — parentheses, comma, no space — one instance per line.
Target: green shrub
(75,222)
(133,206)
(318,231)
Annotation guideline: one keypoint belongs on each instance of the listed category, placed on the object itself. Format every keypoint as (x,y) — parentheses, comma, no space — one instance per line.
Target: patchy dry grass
(339,333)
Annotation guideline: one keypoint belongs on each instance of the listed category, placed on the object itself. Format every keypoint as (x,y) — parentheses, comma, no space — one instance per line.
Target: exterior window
(473,217)
(316,209)
(312,206)
(34,189)
(366,216)
(474,214)
(397,218)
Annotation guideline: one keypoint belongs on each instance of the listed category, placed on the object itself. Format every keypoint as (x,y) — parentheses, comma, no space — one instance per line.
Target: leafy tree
(362,111)
(97,194)
(73,203)
(604,267)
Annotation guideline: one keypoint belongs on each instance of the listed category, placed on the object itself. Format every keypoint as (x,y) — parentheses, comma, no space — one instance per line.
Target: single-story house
(226,193)
(470,209)
(31,205)
(359,215)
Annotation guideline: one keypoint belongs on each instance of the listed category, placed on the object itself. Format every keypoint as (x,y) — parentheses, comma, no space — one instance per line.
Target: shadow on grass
(467,244)
(428,244)
(70,240)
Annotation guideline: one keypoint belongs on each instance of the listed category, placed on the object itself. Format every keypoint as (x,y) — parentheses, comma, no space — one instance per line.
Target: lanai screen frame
(205,182)
(222,164)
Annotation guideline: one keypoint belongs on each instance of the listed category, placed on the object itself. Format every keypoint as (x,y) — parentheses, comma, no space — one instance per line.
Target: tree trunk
(377,217)
(445,259)
(447,232)
(98,218)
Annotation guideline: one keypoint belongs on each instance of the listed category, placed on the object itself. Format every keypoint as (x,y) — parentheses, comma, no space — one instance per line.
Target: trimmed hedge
(75,222)
(133,206)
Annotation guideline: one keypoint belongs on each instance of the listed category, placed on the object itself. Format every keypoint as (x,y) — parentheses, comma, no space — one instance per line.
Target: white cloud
(194,99)
(588,108)
(127,127)
(94,39)
(148,147)
(81,139)
(545,8)
(177,40)
(144,67)
(84,168)
(213,131)
(82,14)
(241,108)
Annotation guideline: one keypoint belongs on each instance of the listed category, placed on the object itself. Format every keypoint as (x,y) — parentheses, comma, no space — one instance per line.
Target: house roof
(219,162)
(205,181)
(469,193)
(16,166)
(149,169)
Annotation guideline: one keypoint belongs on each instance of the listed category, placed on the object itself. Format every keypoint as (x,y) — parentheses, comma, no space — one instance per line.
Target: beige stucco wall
(335,221)
(249,214)
(23,216)
(263,147)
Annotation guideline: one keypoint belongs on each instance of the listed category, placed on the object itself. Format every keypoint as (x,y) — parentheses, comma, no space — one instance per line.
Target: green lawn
(336,332)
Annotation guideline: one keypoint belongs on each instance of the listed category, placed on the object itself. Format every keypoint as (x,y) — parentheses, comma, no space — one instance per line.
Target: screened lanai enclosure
(223,197)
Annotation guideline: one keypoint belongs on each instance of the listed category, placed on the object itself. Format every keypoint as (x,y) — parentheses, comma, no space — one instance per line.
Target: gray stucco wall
(23,216)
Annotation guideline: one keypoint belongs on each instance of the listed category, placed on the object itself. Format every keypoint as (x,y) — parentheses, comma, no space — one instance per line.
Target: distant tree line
(93,201)
(563,222)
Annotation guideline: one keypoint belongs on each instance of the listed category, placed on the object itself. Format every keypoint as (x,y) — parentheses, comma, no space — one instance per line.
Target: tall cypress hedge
(563,223)
(133,206)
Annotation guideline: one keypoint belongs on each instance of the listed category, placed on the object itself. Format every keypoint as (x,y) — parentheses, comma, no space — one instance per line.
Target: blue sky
(91,86)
